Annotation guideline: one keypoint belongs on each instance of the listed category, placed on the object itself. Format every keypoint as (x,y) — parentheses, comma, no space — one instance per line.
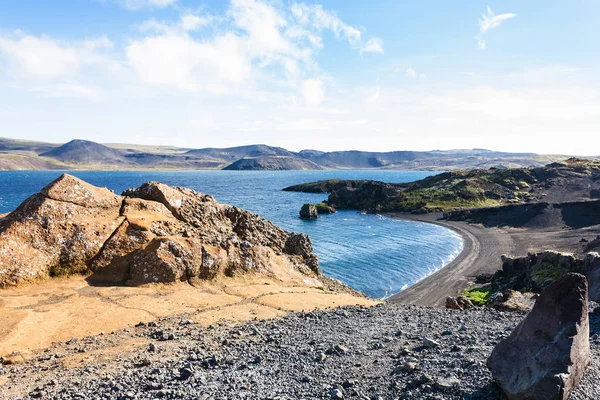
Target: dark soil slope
(86,152)
(272,164)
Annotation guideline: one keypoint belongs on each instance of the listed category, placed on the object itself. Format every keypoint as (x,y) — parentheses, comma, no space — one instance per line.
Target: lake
(377,255)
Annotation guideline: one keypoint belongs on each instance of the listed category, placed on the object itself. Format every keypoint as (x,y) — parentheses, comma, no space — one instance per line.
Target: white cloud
(410,72)
(313,91)
(180,61)
(40,57)
(141,4)
(481,43)
(373,45)
(491,20)
(191,22)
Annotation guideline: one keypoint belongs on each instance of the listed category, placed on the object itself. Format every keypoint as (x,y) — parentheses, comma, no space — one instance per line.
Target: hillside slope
(570,181)
(85,152)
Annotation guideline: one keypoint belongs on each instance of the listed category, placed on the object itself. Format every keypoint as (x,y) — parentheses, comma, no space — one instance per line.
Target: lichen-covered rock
(308,211)
(155,233)
(547,353)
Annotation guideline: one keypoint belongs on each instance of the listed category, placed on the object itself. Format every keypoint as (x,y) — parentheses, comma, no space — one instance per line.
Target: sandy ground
(482,250)
(35,315)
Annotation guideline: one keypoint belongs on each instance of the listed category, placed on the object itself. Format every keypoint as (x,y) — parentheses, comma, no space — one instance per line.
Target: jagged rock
(155,233)
(536,271)
(308,211)
(56,231)
(459,303)
(548,352)
(511,300)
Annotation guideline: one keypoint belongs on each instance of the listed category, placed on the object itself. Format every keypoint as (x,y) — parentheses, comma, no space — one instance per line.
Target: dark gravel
(384,352)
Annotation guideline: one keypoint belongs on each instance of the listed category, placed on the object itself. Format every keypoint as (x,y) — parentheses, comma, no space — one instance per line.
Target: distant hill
(272,164)
(231,154)
(86,152)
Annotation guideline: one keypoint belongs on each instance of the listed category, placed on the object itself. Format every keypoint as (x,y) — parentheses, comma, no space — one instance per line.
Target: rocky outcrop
(536,271)
(569,183)
(547,353)
(155,233)
(308,211)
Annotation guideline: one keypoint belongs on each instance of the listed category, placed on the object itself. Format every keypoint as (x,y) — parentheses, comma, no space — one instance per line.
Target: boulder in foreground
(155,233)
(545,357)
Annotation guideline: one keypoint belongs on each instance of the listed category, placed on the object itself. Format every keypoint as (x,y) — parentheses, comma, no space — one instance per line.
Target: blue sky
(333,75)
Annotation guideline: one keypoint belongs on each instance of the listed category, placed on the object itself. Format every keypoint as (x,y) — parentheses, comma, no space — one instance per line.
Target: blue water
(374,254)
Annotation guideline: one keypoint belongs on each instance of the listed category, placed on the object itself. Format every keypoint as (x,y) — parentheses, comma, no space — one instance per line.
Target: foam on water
(372,253)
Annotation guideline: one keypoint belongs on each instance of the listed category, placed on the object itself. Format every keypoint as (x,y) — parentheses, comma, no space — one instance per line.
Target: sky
(384,75)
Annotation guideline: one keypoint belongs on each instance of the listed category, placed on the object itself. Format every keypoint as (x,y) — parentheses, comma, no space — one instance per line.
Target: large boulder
(308,211)
(545,357)
(57,231)
(155,233)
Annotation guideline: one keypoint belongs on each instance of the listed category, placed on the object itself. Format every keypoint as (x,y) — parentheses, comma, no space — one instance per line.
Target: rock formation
(155,233)
(308,211)
(536,271)
(547,353)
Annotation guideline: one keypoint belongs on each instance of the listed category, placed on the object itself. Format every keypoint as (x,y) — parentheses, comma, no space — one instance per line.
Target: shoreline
(482,251)
(451,278)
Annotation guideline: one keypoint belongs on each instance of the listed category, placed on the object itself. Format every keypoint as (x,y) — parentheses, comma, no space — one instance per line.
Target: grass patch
(478,296)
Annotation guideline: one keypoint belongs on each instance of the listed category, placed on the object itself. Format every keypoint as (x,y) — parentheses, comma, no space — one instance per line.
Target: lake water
(377,255)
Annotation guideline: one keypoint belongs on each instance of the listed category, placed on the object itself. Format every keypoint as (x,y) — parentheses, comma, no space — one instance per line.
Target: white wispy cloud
(141,4)
(490,21)
(410,72)
(373,45)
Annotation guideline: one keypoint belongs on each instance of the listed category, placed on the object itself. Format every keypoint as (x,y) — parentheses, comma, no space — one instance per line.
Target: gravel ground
(389,351)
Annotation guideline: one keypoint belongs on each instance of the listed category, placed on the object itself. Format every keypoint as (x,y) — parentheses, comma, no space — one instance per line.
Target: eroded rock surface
(547,353)
(155,233)
(536,271)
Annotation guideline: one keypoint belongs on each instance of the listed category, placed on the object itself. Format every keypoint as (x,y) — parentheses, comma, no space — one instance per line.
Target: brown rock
(511,300)
(459,303)
(52,234)
(548,352)
(156,233)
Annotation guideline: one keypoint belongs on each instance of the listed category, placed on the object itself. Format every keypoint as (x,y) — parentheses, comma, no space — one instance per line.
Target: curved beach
(482,251)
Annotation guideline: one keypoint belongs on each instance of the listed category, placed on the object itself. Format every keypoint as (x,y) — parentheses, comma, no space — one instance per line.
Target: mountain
(84,154)
(281,163)
(231,154)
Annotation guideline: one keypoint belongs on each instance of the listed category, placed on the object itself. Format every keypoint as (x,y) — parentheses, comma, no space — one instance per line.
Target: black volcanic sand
(483,247)
(363,353)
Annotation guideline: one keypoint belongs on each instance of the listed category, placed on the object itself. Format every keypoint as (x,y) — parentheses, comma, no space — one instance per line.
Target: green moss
(478,296)
(324,208)
(542,277)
